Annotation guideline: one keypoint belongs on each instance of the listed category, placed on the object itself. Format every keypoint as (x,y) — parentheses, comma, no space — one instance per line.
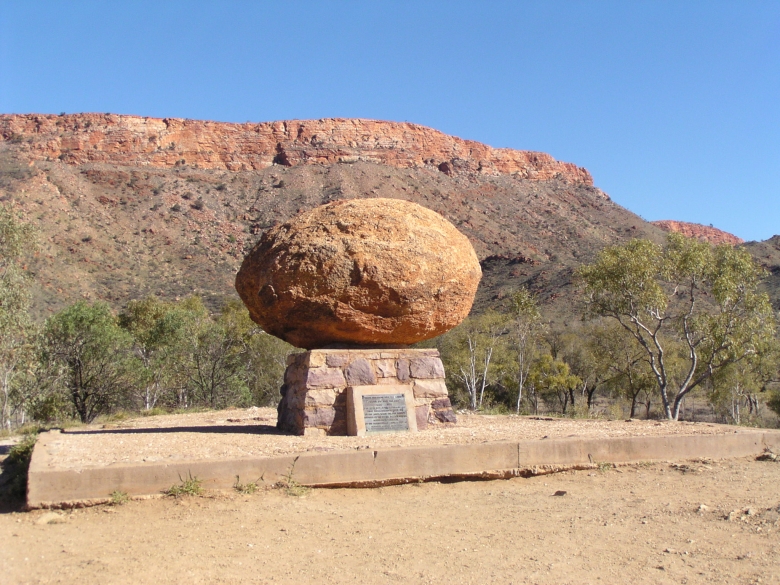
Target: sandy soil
(700,522)
(231,434)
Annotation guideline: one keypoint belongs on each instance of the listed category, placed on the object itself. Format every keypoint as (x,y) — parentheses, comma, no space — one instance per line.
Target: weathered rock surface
(360,272)
(695,230)
(169,142)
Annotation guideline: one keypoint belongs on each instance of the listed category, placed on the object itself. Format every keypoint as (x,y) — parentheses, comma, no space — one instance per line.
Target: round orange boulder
(360,272)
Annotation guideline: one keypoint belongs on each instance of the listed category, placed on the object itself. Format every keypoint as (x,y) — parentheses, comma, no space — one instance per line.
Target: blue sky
(674,107)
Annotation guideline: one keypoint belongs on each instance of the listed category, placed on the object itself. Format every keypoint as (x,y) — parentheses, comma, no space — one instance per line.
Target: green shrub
(774,402)
(118,498)
(247,488)
(154,412)
(186,487)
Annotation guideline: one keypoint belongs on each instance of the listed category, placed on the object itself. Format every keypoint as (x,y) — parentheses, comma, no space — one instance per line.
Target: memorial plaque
(381,408)
(385,413)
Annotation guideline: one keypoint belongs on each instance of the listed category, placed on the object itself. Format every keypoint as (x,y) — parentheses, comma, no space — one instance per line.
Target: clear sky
(674,107)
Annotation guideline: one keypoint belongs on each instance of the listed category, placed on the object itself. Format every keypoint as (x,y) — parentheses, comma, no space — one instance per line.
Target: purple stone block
(427,367)
(360,373)
(402,370)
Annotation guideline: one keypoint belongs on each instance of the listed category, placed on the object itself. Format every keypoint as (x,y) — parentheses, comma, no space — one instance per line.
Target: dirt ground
(698,522)
(227,434)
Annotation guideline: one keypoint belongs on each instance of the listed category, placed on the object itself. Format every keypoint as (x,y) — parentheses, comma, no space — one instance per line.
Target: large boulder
(363,272)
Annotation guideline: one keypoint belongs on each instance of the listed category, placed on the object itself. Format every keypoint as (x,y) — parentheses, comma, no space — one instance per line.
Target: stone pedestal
(314,397)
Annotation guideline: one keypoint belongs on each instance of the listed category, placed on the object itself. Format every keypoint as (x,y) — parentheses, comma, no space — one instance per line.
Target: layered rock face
(694,230)
(114,231)
(136,141)
(360,273)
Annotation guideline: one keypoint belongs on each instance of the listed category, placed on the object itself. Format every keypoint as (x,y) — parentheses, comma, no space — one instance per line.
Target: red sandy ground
(700,522)
(251,433)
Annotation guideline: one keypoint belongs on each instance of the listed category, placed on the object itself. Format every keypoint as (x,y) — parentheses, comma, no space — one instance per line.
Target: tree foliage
(735,390)
(693,309)
(263,357)
(475,355)
(622,363)
(774,402)
(552,380)
(525,329)
(156,354)
(90,354)
(16,329)
(159,333)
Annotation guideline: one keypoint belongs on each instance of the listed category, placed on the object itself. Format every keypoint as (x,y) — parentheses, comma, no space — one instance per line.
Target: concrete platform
(50,486)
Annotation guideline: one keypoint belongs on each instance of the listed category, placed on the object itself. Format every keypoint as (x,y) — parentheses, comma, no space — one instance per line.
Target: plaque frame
(356,421)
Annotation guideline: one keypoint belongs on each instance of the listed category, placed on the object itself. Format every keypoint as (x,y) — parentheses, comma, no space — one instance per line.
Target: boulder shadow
(226,429)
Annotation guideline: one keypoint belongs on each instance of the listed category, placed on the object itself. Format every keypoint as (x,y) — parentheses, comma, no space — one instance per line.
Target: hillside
(130,206)
(767,253)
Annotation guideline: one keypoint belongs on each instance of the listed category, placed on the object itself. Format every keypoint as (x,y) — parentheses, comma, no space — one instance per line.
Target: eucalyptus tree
(737,387)
(774,402)
(89,355)
(16,329)
(623,365)
(578,345)
(214,357)
(687,292)
(263,357)
(159,333)
(525,329)
(475,354)
(553,381)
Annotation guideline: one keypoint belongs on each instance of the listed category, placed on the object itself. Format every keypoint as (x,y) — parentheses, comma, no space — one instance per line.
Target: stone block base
(314,398)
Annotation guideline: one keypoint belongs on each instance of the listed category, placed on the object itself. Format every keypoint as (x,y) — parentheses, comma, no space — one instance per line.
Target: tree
(576,345)
(263,357)
(623,364)
(188,356)
(774,402)
(159,331)
(524,330)
(89,352)
(732,387)
(686,292)
(16,328)
(738,385)
(214,356)
(552,380)
(470,350)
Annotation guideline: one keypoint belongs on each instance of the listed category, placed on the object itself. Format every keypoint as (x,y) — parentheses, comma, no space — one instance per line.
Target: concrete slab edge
(52,487)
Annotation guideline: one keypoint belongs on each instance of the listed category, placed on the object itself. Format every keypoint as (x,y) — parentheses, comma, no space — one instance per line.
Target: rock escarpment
(702,232)
(360,272)
(140,141)
(131,226)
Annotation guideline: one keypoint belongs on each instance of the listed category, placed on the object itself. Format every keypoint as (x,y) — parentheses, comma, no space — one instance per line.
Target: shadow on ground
(243,429)
(13,478)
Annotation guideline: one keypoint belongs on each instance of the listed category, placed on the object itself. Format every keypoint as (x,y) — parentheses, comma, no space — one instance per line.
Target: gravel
(233,434)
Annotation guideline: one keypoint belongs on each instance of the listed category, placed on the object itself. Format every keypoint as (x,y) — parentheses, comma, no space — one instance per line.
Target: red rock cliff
(133,140)
(702,232)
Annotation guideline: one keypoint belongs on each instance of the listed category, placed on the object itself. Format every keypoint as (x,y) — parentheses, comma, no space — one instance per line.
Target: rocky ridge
(124,229)
(695,230)
(164,143)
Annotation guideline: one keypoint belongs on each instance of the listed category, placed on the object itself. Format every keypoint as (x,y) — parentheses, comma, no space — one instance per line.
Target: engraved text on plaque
(385,413)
